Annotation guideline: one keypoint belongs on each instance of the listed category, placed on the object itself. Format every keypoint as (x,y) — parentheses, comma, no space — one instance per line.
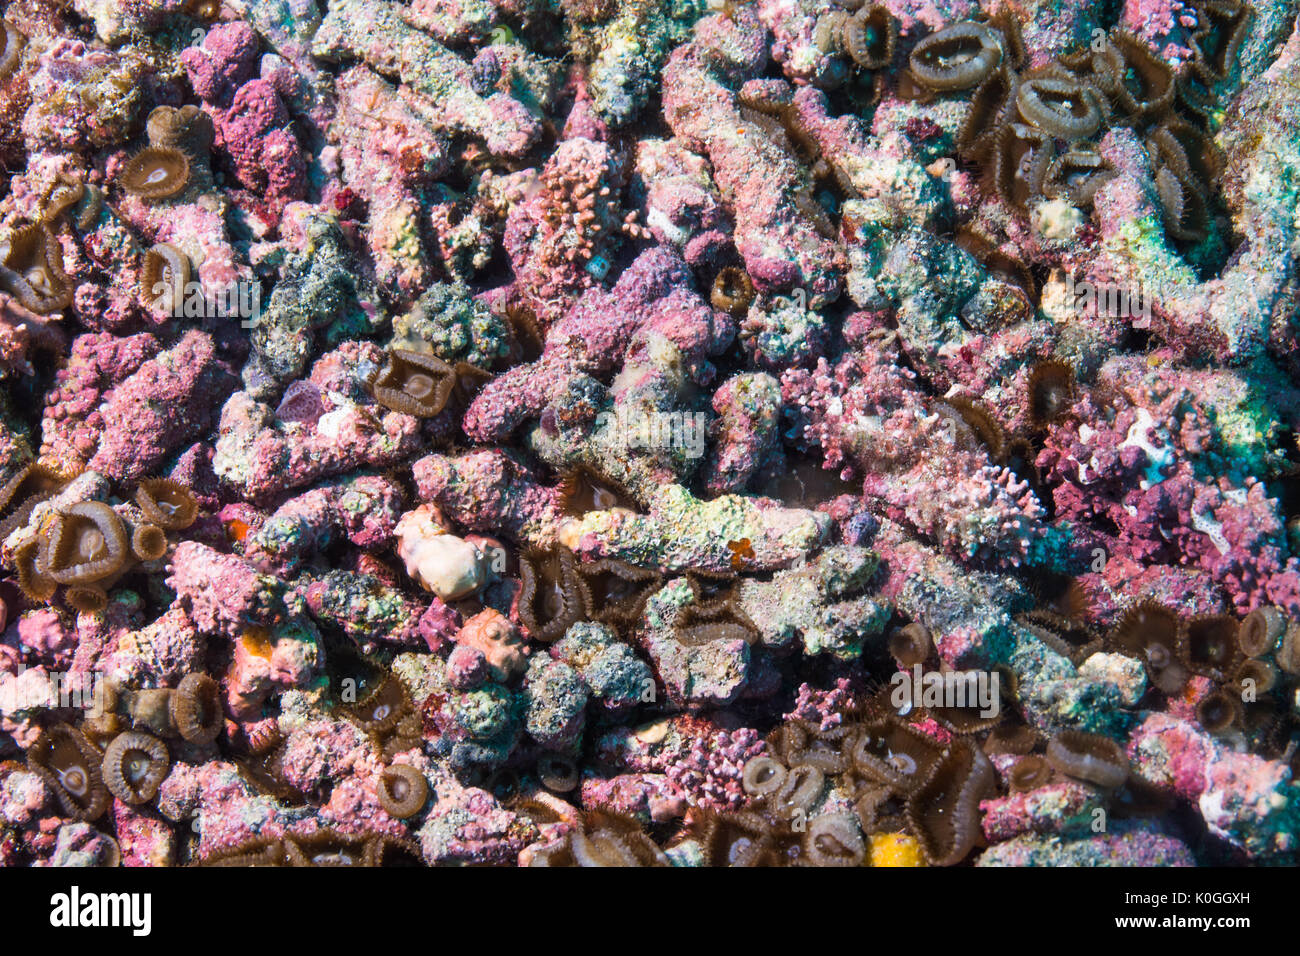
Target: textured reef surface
(649,432)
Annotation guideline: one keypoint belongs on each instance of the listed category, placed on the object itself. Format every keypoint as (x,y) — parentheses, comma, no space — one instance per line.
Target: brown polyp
(403,791)
(895,754)
(558,772)
(69,764)
(168,504)
(86,598)
(1029,773)
(196,709)
(1261,631)
(870,36)
(1208,644)
(156,172)
(87,543)
(1089,757)
(148,542)
(911,644)
(164,275)
(957,57)
(553,596)
(134,766)
(732,292)
(617,591)
(1219,711)
(11,53)
(943,812)
(32,270)
(1052,391)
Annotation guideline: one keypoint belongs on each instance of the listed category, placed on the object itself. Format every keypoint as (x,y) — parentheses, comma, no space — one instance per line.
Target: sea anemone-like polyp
(87,543)
(70,766)
(196,709)
(403,791)
(1089,757)
(168,504)
(156,172)
(32,270)
(134,766)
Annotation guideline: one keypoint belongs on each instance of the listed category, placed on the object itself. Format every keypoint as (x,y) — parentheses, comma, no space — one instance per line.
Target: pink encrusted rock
(439,624)
(321,754)
(268,661)
(261,456)
(223,62)
(922,465)
(364,509)
(390,154)
(1136,468)
(467,826)
(144,838)
(158,654)
(649,797)
(467,668)
(45,636)
(655,294)
(498,641)
(683,206)
(566,224)
(251,121)
(23,797)
(80,124)
(167,402)
(440,83)
(222,593)
(748,407)
(218,804)
(99,362)
(363,607)
(256,133)
(824,708)
(779,243)
(489,490)
(1059,807)
(703,762)
(1245,799)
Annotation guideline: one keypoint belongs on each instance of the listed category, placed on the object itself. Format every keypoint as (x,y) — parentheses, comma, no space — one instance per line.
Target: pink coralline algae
(262,454)
(597,432)
(252,122)
(566,226)
(166,402)
(702,763)
(778,243)
(869,414)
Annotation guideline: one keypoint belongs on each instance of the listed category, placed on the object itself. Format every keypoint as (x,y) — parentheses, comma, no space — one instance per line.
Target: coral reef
(618,433)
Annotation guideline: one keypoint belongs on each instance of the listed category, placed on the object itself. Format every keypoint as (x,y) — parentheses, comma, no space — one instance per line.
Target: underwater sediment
(622,433)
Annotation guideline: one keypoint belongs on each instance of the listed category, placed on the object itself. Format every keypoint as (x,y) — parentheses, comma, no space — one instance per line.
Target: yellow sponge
(894,849)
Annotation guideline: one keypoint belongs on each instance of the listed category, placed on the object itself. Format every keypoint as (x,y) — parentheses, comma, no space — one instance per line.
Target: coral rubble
(619,433)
